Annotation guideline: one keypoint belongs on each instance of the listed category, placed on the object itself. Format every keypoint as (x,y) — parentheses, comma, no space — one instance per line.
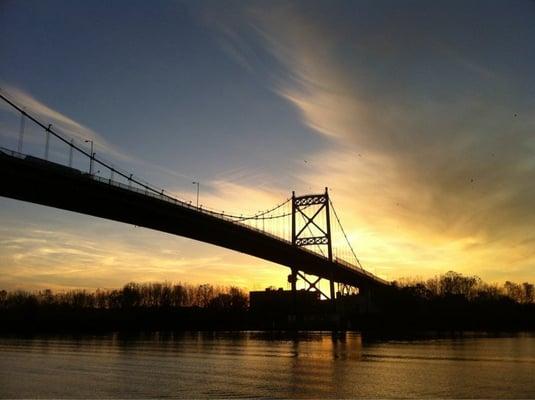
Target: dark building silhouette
(284,301)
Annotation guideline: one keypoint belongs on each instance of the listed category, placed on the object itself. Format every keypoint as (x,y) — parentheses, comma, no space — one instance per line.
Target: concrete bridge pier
(292,279)
(365,300)
(332,292)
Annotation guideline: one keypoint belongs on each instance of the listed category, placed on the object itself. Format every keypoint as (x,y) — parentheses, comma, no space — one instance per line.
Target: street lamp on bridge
(91,157)
(198,184)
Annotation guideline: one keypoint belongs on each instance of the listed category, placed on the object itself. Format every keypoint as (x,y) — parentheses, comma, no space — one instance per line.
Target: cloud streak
(71,129)
(61,258)
(429,136)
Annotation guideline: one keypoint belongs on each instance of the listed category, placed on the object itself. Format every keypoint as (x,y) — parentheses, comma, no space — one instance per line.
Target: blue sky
(417,114)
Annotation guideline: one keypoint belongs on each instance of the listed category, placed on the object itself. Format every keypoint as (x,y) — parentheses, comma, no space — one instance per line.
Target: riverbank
(450,302)
(194,318)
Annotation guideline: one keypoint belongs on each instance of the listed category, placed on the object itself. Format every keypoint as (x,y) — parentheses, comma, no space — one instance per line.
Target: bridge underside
(37,181)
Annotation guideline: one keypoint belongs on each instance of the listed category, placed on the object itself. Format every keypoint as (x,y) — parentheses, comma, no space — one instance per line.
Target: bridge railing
(178,202)
(144,191)
(357,268)
(13,153)
(172,200)
(160,196)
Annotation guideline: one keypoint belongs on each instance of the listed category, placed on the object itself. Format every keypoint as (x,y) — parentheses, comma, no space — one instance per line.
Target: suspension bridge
(298,233)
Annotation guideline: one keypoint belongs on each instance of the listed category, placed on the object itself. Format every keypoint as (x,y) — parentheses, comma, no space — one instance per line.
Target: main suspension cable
(345,236)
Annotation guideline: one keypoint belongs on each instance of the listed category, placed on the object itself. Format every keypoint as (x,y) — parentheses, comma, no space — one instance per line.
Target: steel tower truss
(311,227)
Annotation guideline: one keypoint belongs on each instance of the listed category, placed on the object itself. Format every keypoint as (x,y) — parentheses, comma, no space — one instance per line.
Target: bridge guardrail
(357,268)
(172,200)
(13,153)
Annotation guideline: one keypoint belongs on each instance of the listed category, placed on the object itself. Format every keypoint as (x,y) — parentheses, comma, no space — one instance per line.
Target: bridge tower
(311,226)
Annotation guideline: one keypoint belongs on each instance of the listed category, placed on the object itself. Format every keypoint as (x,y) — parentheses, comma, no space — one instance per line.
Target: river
(257,364)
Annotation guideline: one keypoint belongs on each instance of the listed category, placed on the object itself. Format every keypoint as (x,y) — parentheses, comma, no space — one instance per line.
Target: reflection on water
(252,364)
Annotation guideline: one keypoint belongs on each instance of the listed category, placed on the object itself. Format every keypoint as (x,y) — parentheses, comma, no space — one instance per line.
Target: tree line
(451,301)
(471,288)
(131,296)
(167,295)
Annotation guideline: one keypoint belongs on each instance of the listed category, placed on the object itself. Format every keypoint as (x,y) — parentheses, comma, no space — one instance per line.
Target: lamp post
(47,140)
(21,132)
(197,183)
(90,158)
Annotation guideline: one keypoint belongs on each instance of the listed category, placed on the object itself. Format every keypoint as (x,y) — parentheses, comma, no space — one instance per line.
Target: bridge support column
(365,294)
(292,278)
(331,287)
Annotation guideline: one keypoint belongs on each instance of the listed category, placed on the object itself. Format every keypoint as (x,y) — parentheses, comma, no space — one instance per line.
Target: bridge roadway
(38,181)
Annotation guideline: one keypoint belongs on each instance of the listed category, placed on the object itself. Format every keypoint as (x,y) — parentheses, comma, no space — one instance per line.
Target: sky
(417,115)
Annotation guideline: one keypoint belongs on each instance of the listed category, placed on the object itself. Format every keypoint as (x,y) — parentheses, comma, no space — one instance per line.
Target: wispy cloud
(59,121)
(61,258)
(71,129)
(428,143)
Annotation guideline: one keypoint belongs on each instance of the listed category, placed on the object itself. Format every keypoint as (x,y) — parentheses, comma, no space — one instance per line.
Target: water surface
(255,364)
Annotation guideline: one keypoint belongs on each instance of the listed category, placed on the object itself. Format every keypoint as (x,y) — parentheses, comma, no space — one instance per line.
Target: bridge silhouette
(297,233)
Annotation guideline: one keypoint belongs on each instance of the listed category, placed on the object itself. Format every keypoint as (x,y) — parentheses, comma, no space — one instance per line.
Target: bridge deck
(38,181)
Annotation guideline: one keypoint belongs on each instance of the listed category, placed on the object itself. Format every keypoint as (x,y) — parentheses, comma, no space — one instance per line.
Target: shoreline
(199,319)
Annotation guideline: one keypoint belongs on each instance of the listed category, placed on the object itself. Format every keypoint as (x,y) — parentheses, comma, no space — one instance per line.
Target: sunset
(410,122)
(425,138)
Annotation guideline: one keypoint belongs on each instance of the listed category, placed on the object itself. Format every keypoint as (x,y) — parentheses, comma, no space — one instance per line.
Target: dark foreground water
(252,364)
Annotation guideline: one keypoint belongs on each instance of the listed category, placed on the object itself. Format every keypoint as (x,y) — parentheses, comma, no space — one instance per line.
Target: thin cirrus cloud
(63,258)
(71,129)
(46,114)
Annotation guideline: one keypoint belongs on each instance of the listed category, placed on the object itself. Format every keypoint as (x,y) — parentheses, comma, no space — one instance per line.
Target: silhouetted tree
(527,293)
(513,290)
(453,284)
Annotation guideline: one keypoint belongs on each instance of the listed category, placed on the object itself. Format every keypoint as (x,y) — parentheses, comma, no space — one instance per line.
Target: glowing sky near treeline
(417,115)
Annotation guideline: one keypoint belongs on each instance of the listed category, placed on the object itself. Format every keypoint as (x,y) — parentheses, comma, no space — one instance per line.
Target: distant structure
(288,303)
(283,301)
